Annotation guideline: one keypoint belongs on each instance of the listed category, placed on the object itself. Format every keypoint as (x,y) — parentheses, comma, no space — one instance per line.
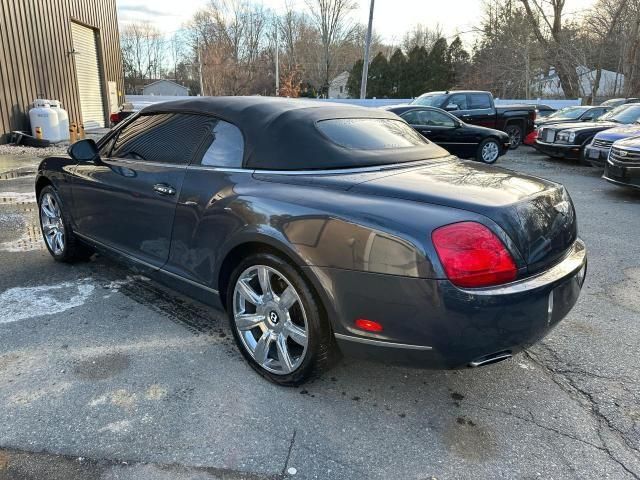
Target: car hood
(618,133)
(584,126)
(536,214)
(546,122)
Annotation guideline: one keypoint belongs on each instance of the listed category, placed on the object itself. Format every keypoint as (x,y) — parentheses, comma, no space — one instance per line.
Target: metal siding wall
(35,41)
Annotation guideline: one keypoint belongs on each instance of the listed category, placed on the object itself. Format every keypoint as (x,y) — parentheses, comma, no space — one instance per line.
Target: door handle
(164,189)
(425,131)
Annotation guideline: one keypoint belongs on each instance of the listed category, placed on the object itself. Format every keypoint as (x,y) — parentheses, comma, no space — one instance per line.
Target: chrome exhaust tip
(491,358)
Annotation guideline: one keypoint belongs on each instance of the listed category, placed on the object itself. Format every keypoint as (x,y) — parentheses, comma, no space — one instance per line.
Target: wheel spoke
(287,298)
(59,241)
(248,293)
(46,208)
(264,277)
(262,348)
(283,354)
(248,321)
(48,229)
(297,334)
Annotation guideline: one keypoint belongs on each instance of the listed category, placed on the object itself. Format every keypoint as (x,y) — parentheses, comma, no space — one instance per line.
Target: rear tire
(488,151)
(278,322)
(515,135)
(55,225)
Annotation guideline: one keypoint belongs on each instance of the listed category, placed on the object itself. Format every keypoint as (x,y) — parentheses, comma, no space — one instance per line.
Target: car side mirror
(84,151)
(452,107)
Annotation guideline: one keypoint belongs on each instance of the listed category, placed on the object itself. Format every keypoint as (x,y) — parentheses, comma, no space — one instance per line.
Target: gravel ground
(105,374)
(22,151)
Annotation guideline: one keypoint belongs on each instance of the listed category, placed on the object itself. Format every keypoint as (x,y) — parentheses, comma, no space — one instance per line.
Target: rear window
(370,133)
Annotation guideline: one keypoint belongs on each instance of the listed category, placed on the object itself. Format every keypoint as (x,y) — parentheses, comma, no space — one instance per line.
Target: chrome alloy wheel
(52,224)
(490,152)
(270,319)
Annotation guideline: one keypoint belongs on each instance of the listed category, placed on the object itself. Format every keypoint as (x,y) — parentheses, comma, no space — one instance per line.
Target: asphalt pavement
(107,374)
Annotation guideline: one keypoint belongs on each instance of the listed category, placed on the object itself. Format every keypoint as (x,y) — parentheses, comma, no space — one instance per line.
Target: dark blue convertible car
(322,229)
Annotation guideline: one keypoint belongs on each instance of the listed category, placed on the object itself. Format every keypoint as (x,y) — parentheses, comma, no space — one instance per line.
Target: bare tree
(602,22)
(332,19)
(143,53)
(546,18)
(421,36)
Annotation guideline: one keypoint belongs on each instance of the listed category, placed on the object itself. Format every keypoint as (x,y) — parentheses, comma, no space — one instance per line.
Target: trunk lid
(537,214)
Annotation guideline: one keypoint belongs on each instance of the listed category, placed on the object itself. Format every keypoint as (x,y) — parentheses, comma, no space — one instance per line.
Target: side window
(479,101)
(460,100)
(438,119)
(227,147)
(412,117)
(105,149)
(163,138)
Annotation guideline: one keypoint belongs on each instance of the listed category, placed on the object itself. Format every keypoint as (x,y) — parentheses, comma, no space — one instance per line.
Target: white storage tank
(46,118)
(63,120)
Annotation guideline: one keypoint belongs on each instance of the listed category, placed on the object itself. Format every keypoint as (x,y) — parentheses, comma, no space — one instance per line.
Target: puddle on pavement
(15,162)
(20,223)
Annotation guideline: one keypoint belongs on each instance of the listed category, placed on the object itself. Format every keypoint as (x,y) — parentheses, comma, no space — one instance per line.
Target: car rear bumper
(570,152)
(433,324)
(596,156)
(622,175)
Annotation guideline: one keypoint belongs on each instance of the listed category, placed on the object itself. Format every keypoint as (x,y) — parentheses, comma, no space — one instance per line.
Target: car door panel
(127,201)
(208,212)
(116,204)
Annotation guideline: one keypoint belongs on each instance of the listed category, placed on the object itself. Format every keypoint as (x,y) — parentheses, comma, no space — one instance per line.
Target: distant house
(165,88)
(338,86)
(611,83)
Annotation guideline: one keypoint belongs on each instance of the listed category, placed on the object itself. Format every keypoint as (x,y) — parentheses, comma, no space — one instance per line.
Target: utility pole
(277,63)
(365,63)
(200,70)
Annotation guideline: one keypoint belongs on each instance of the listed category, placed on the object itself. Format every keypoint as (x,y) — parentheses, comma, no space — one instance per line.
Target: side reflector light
(368,325)
(473,256)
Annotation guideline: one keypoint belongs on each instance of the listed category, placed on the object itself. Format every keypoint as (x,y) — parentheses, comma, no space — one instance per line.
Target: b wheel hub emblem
(273,317)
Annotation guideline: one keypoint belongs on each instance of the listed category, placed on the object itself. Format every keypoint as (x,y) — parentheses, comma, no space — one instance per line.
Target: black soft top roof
(281,134)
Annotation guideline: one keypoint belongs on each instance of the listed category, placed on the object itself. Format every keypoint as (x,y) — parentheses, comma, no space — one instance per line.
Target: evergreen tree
(397,71)
(379,84)
(417,71)
(459,61)
(355,79)
(440,70)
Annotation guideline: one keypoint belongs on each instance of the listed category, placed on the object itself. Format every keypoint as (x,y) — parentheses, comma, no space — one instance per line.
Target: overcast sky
(392,17)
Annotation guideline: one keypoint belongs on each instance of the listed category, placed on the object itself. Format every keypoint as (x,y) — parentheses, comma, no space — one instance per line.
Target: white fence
(140,101)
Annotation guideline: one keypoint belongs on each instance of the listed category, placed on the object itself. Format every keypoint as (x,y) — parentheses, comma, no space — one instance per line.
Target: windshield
(569,113)
(622,114)
(434,100)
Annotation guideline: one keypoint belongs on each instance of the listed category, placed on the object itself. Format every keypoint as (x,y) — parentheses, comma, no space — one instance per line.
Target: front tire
(488,151)
(277,321)
(515,135)
(56,229)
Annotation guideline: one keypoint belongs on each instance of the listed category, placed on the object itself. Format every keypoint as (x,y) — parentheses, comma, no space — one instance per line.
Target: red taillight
(473,256)
(115,118)
(368,325)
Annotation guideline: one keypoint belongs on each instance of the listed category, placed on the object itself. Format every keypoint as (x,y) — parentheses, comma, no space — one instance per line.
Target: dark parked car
(597,152)
(455,136)
(616,102)
(543,111)
(566,115)
(569,140)
(585,113)
(623,165)
(320,227)
(478,108)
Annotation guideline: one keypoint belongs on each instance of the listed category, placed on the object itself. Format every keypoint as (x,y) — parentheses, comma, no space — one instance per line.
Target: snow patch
(21,303)
(17,197)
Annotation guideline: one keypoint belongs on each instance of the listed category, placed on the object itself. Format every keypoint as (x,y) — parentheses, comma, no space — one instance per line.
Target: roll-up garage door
(89,77)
